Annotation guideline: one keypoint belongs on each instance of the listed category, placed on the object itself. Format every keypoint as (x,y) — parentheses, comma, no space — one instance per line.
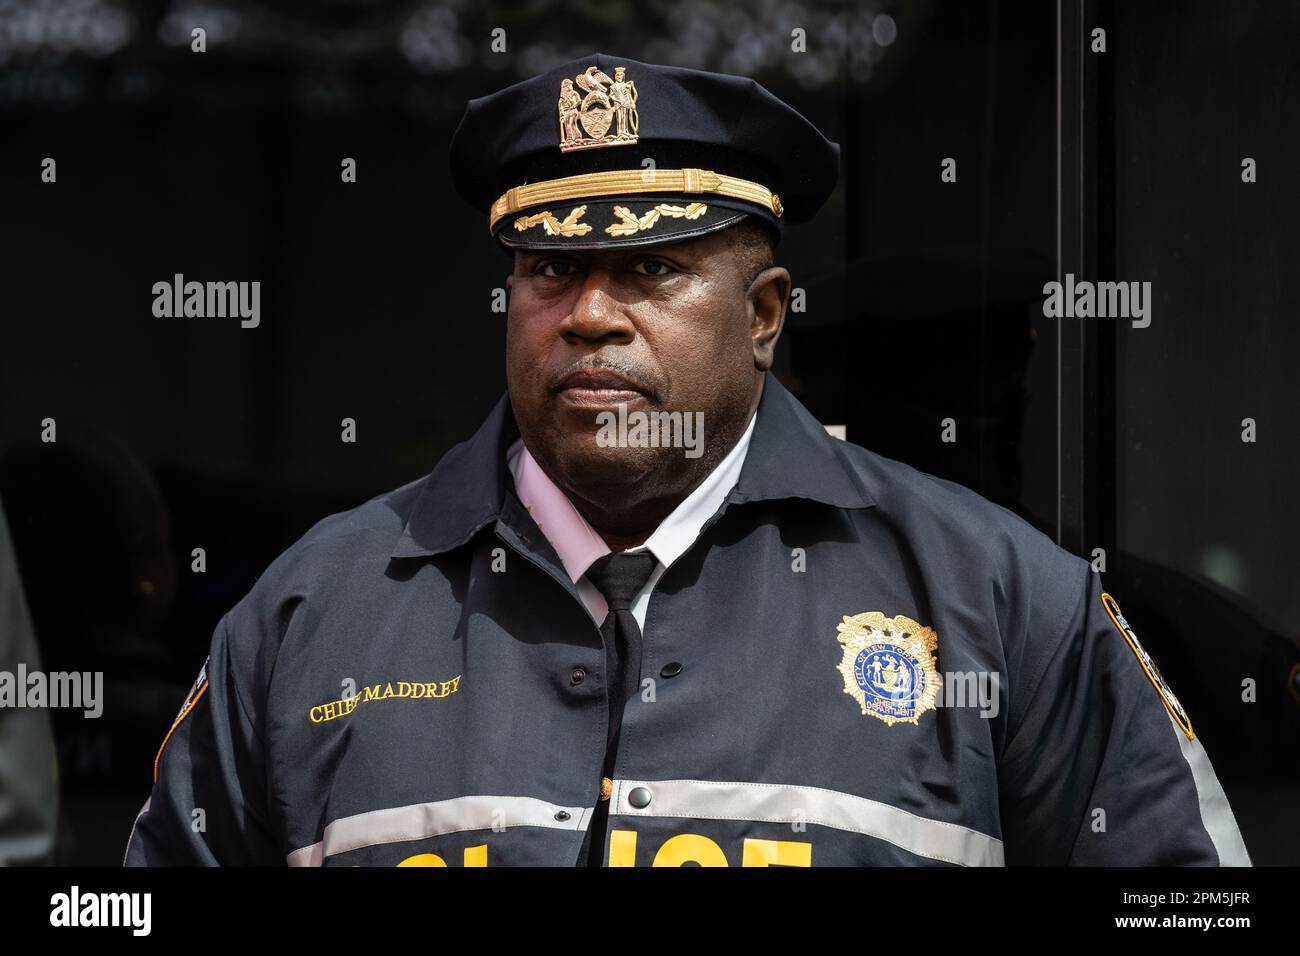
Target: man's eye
(555,268)
(652,267)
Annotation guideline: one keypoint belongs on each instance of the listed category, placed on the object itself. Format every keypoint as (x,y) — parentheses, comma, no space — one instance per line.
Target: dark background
(924,302)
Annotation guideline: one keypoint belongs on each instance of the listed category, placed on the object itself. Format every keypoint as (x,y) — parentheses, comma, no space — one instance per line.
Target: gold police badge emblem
(889,666)
(605,116)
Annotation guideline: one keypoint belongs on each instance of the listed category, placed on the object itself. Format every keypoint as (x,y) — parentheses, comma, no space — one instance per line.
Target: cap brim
(611,222)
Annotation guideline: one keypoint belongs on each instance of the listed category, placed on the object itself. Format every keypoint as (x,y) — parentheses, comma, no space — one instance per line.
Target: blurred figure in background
(29,784)
(92,534)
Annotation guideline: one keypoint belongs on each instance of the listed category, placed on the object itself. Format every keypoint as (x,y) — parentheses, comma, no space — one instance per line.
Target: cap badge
(888,666)
(629,223)
(554,227)
(605,116)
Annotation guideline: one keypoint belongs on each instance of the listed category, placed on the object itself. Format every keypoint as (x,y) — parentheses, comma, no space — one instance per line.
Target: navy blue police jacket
(855,664)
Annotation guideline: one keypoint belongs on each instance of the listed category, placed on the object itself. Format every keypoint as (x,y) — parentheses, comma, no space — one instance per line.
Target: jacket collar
(465,491)
(790,456)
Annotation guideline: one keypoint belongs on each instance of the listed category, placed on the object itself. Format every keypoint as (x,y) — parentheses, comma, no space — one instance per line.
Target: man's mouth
(598,388)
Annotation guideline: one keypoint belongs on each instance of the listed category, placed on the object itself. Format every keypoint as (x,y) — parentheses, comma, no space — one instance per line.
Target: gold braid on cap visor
(622,182)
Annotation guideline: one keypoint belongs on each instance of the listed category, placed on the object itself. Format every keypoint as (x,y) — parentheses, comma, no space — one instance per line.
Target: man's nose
(597,314)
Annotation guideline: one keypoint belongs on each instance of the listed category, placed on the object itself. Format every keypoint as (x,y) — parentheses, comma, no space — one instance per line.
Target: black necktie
(620,578)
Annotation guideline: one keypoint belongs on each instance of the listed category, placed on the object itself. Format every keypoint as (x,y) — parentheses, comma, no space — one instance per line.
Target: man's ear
(768,296)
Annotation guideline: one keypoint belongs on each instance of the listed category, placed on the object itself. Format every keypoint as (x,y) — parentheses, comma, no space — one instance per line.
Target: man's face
(677,327)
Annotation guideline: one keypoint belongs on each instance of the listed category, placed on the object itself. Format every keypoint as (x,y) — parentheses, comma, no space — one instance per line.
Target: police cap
(607,151)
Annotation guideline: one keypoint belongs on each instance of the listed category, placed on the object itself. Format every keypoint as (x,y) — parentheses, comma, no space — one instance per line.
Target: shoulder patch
(196,691)
(1153,673)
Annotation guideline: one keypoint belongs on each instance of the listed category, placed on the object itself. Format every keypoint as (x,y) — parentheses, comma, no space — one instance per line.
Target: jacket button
(671,669)
(578,676)
(562,815)
(639,797)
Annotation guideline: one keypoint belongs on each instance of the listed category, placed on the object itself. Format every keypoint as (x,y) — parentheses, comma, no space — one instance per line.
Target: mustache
(634,375)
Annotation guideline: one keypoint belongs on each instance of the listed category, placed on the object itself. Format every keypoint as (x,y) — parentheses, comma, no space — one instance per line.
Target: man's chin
(587,465)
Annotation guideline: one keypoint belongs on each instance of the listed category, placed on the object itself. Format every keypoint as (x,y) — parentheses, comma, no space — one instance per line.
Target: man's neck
(627,524)
(624,526)
(626,543)
(630,528)
(627,516)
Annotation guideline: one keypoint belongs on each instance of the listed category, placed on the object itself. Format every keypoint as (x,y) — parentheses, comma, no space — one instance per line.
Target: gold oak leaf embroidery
(569,227)
(631,224)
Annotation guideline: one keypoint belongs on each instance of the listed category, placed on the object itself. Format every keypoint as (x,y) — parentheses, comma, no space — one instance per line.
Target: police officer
(651,613)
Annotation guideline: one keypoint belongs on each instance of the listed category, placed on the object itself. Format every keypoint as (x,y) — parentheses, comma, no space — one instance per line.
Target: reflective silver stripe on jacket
(777,803)
(423,820)
(1216,815)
